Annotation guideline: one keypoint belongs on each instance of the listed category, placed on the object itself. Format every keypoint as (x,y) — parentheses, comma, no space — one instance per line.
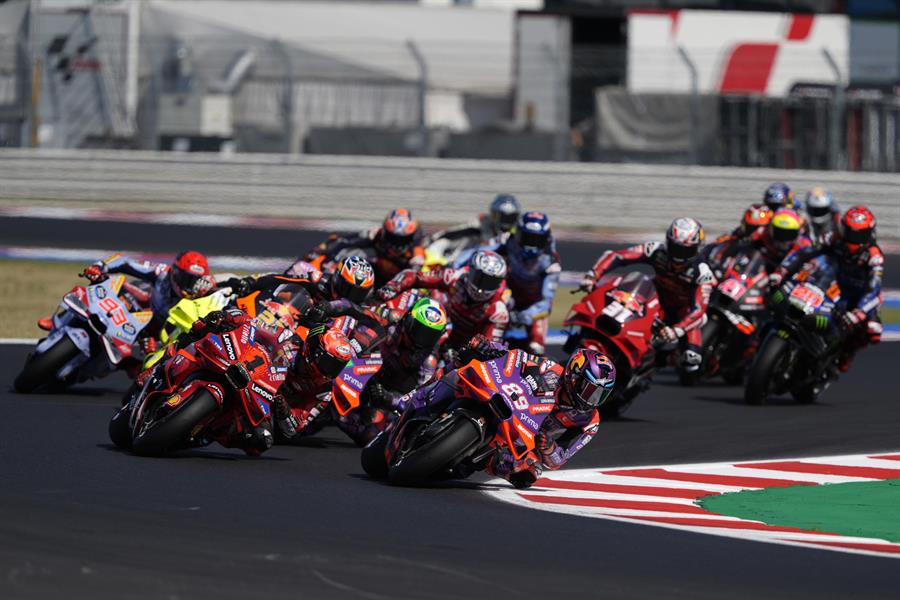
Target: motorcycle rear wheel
(420,464)
(759,380)
(40,369)
(173,431)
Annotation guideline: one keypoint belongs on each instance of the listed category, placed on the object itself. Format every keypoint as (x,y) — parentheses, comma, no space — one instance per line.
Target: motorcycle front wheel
(40,369)
(763,370)
(173,431)
(419,464)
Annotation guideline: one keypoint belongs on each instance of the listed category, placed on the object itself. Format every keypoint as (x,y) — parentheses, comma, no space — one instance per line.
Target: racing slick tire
(173,431)
(418,465)
(372,458)
(120,430)
(40,369)
(762,371)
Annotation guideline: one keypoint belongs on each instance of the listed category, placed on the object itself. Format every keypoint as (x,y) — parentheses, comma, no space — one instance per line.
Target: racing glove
(854,317)
(670,334)
(316,313)
(388,291)
(587,282)
(240,286)
(481,348)
(775,280)
(94,273)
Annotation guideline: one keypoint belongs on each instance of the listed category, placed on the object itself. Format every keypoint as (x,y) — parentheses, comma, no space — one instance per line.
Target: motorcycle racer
(409,359)
(533,270)
(859,262)
(311,365)
(499,221)
(684,282)
(337,294)
(474,295)
(579,388)
(394,246)
(824,213)
(187,277)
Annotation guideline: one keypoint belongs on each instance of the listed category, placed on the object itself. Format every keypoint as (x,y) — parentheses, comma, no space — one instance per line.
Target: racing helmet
(857,228)
(532,234)
(778,195)
(486,273)
(353,279)
(505,212)
(784,229)
(398,233)
(425,323)
(327,351)
(189,275)
(589,378)
(683,239)
(819,205)
(758,215)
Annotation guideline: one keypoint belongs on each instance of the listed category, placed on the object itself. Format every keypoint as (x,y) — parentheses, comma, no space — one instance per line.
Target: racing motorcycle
(736,309)
(494,409)
(800,347)
(619,318)
(215,389)
(95,331)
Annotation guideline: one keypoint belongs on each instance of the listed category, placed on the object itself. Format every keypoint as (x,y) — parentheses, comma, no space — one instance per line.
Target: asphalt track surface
(79,518)
(82,519)
(149,237)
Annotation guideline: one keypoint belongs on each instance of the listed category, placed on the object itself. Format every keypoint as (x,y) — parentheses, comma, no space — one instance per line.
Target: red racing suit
(469,318)
(683,292)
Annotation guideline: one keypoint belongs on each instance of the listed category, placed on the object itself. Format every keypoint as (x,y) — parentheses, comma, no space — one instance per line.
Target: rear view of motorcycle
(95,331)
(799,348)
(736,311)
(618,318)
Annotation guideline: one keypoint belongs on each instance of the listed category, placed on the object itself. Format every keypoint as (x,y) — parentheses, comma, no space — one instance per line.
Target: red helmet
(758,215)
(857,228)
(189,275)
(353,279)
(397,235)
(327,351)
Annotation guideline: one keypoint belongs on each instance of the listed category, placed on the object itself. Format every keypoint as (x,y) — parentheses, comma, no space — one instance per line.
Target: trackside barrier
(361,188)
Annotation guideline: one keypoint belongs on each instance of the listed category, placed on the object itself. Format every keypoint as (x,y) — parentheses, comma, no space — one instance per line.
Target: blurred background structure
(797,84)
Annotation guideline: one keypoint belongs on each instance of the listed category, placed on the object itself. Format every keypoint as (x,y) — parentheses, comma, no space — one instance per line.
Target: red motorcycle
(737,308)
(619,318)
(216,390)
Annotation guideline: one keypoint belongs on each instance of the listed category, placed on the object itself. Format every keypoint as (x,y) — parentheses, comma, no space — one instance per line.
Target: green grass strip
(867,509)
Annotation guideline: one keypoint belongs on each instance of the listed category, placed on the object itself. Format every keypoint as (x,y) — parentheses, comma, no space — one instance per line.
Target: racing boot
(46,323)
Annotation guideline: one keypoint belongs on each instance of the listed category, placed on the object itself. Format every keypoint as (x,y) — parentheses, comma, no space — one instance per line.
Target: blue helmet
(505,212)
(533,234)
(779,195)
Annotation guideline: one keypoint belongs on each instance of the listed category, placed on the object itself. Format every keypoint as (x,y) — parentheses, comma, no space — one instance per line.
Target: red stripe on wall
(608,503)
(612,488)
(800,27)
(734,480)
(748,68)
(797,466)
